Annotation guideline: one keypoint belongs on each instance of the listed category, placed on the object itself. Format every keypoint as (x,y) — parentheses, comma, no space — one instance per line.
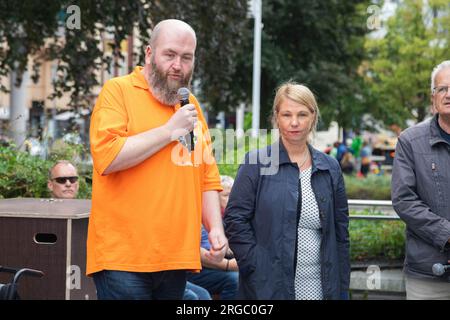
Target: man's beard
(164,89)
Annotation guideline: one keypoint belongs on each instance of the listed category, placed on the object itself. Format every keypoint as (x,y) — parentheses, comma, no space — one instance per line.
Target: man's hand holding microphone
(184,119)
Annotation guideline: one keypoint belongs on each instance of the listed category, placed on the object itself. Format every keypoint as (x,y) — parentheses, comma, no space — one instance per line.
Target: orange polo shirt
(146,218)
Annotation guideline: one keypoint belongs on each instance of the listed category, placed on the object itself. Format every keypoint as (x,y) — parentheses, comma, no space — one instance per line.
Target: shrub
(371,188)
(376,239)
(69,151)
(23,175)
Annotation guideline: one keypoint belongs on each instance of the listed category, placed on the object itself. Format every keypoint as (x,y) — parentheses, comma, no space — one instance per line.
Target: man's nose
(177,63)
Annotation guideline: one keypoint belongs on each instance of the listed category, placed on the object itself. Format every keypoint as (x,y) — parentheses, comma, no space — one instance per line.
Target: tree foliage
(317,43)
(38,29)
(400,63)
(24,175)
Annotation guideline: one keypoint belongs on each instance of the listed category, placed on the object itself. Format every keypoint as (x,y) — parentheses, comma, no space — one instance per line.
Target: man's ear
(432,109)
(50,185)
(148,53)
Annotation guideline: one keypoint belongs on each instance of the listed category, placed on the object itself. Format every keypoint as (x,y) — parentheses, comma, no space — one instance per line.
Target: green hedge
(373,187)
(23,175)
(376,239)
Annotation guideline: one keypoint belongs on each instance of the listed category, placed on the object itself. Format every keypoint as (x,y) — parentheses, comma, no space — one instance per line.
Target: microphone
(439,269)
(183,93)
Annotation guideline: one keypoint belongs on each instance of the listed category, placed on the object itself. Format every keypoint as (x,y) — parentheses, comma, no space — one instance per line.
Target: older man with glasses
(63,180)
(421,193)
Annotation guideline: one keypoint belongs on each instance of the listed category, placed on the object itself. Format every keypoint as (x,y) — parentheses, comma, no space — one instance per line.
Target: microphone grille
(183,93)
(438,269)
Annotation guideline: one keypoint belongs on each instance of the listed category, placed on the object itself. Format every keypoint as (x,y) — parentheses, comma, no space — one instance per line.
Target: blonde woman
(289,230)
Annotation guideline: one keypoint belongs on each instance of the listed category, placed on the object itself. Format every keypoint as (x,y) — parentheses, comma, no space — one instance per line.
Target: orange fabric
(146,218)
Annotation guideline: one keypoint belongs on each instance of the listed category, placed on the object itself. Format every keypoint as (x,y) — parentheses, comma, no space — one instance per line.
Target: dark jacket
(421,196)
(261,224)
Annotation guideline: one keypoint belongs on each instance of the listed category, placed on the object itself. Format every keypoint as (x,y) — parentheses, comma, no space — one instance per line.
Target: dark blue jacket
(261,223)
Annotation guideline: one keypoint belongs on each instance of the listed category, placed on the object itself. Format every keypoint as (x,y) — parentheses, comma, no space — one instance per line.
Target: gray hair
(437,69)
(226,181)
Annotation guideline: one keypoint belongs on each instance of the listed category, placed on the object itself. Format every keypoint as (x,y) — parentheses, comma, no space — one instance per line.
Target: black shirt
(444,134)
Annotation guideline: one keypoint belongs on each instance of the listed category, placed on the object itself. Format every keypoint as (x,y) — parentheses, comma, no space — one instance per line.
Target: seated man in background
(63,180)
(194,292)
(219,278)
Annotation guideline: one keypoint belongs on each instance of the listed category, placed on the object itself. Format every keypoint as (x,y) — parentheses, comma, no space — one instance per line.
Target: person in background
(194,292)
(227,183)
(63,180)
(288,227)
(421,192)
(366,154)
(219,278)
(334,149)
(348,163)
(341,151)
(355,147)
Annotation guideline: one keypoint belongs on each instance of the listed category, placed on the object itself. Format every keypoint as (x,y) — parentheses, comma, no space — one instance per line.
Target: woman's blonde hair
(297,93)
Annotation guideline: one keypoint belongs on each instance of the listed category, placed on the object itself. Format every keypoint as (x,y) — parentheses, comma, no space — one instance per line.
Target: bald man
(151,193)
(63,180)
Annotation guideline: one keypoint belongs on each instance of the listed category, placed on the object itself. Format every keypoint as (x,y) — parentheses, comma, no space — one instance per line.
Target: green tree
(400,63)
(222,32)
(317,43)
(38,29)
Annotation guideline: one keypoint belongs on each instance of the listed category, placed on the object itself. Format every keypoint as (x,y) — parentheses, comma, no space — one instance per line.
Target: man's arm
(212,220)
(141,146)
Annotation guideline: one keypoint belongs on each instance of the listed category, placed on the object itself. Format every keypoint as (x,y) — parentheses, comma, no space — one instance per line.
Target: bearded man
(147,209)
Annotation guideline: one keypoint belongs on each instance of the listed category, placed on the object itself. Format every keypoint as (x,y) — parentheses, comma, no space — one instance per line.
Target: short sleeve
(108,129)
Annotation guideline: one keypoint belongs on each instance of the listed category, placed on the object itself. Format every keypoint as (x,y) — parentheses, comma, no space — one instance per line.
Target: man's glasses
(441,90)
(62,180)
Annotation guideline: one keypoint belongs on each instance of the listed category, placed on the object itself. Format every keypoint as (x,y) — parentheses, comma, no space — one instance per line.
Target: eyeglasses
(440,90)
(62,180)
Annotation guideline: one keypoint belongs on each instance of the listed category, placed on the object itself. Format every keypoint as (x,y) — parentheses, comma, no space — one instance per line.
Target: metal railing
(384,206)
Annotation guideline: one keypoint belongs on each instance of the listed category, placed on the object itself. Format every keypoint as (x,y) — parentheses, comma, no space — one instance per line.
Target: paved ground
(377,284)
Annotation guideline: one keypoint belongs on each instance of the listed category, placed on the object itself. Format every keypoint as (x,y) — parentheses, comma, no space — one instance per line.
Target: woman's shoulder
(325,161)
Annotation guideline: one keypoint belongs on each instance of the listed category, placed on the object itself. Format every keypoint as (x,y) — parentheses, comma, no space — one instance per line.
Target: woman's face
(294,121)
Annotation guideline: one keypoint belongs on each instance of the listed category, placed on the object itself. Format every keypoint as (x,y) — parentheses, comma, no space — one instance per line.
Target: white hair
(437,69)
(226,181)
